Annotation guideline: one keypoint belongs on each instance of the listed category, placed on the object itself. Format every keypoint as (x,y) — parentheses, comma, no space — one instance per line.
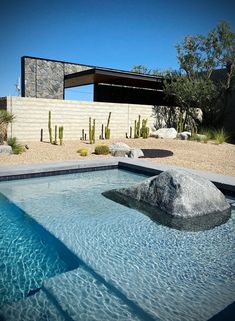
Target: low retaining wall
(31,115)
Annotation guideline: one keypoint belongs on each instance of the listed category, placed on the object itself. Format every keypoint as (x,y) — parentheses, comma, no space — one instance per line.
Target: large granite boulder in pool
(182,200)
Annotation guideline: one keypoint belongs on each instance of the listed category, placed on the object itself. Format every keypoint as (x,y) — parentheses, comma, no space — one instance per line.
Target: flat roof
(115,77)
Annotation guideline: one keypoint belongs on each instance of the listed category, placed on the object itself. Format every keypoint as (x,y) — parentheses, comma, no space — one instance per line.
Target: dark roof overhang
(115,77)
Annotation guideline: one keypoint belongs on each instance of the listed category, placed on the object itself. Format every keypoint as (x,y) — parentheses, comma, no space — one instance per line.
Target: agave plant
(5,119)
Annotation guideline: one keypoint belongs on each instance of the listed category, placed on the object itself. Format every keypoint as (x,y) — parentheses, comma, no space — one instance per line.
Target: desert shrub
(16,147)
(208,132)
(102,149)
(202,138)
(5,119)
(220,136)
(83,151)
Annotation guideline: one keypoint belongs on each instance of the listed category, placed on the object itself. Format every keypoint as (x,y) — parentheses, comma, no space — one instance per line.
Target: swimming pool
(130,267)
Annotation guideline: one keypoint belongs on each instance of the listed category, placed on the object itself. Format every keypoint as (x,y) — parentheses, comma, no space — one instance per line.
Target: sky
(106,33)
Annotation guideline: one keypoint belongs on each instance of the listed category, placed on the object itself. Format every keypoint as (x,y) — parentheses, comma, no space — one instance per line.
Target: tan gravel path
(188,154)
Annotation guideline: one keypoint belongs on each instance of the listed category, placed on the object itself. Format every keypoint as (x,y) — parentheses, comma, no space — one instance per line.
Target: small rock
(135,153)
(165,133)
(184,135)
(5,149)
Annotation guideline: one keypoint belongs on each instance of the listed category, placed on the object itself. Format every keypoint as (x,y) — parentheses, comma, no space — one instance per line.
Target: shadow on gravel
(158,153)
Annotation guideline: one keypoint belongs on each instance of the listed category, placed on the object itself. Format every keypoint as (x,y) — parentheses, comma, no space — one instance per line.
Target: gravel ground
(188,154)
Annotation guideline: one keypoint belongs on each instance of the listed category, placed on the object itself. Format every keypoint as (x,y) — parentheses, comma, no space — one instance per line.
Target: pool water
(28,254)
(153,271)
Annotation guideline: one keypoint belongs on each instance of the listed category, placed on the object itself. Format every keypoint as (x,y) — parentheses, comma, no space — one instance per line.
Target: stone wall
(31,115)
(43,78)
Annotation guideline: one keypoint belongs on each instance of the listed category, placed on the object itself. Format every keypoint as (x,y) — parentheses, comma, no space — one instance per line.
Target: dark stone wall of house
(43,78)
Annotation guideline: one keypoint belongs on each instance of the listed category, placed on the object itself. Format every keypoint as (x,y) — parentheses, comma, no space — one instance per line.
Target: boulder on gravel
(165,133)
(5,149)
(135,153)
(184,135)
(123,150)
(119,149)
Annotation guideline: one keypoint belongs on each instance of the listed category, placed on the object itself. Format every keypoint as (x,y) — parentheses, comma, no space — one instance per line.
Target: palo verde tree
(141,69)
(198,84)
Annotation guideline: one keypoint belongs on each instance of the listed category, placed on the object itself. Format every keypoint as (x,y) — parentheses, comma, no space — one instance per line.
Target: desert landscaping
(184,153)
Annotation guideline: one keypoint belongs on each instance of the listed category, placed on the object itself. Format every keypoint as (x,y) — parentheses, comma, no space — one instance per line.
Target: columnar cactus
(49,126)
(91,131)
(55,141)
(61,134)
(144,129)
(107,129)
(138,127)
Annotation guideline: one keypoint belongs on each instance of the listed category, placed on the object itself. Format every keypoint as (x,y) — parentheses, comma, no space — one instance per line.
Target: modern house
(43,78)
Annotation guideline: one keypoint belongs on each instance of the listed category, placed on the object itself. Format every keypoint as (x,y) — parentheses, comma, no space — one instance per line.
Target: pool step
(36,307)
(84,298)
(72,296)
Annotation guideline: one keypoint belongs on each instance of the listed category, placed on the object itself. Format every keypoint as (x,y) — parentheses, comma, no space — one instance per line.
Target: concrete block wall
(31,115)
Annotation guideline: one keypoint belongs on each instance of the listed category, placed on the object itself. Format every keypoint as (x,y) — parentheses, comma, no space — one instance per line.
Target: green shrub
(5,119)
(83,151)
(220,136)
(202,138)
(209,133)
(102,149)
(16,147)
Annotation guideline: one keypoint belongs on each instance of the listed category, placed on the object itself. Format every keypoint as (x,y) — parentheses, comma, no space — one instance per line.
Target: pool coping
(22,171)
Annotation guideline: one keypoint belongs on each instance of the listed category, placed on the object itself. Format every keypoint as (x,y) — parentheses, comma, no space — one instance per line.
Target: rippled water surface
(158,272)
(26,256)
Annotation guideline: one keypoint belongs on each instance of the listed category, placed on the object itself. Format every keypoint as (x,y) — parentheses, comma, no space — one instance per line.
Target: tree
(141,69)
(197,85)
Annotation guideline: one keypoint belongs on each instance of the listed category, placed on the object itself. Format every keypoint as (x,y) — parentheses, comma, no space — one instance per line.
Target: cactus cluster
(107,129)
(144,129)
(91,131)
(61,132)
(140,131)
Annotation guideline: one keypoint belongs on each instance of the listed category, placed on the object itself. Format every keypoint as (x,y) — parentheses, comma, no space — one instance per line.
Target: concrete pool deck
(224,182)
